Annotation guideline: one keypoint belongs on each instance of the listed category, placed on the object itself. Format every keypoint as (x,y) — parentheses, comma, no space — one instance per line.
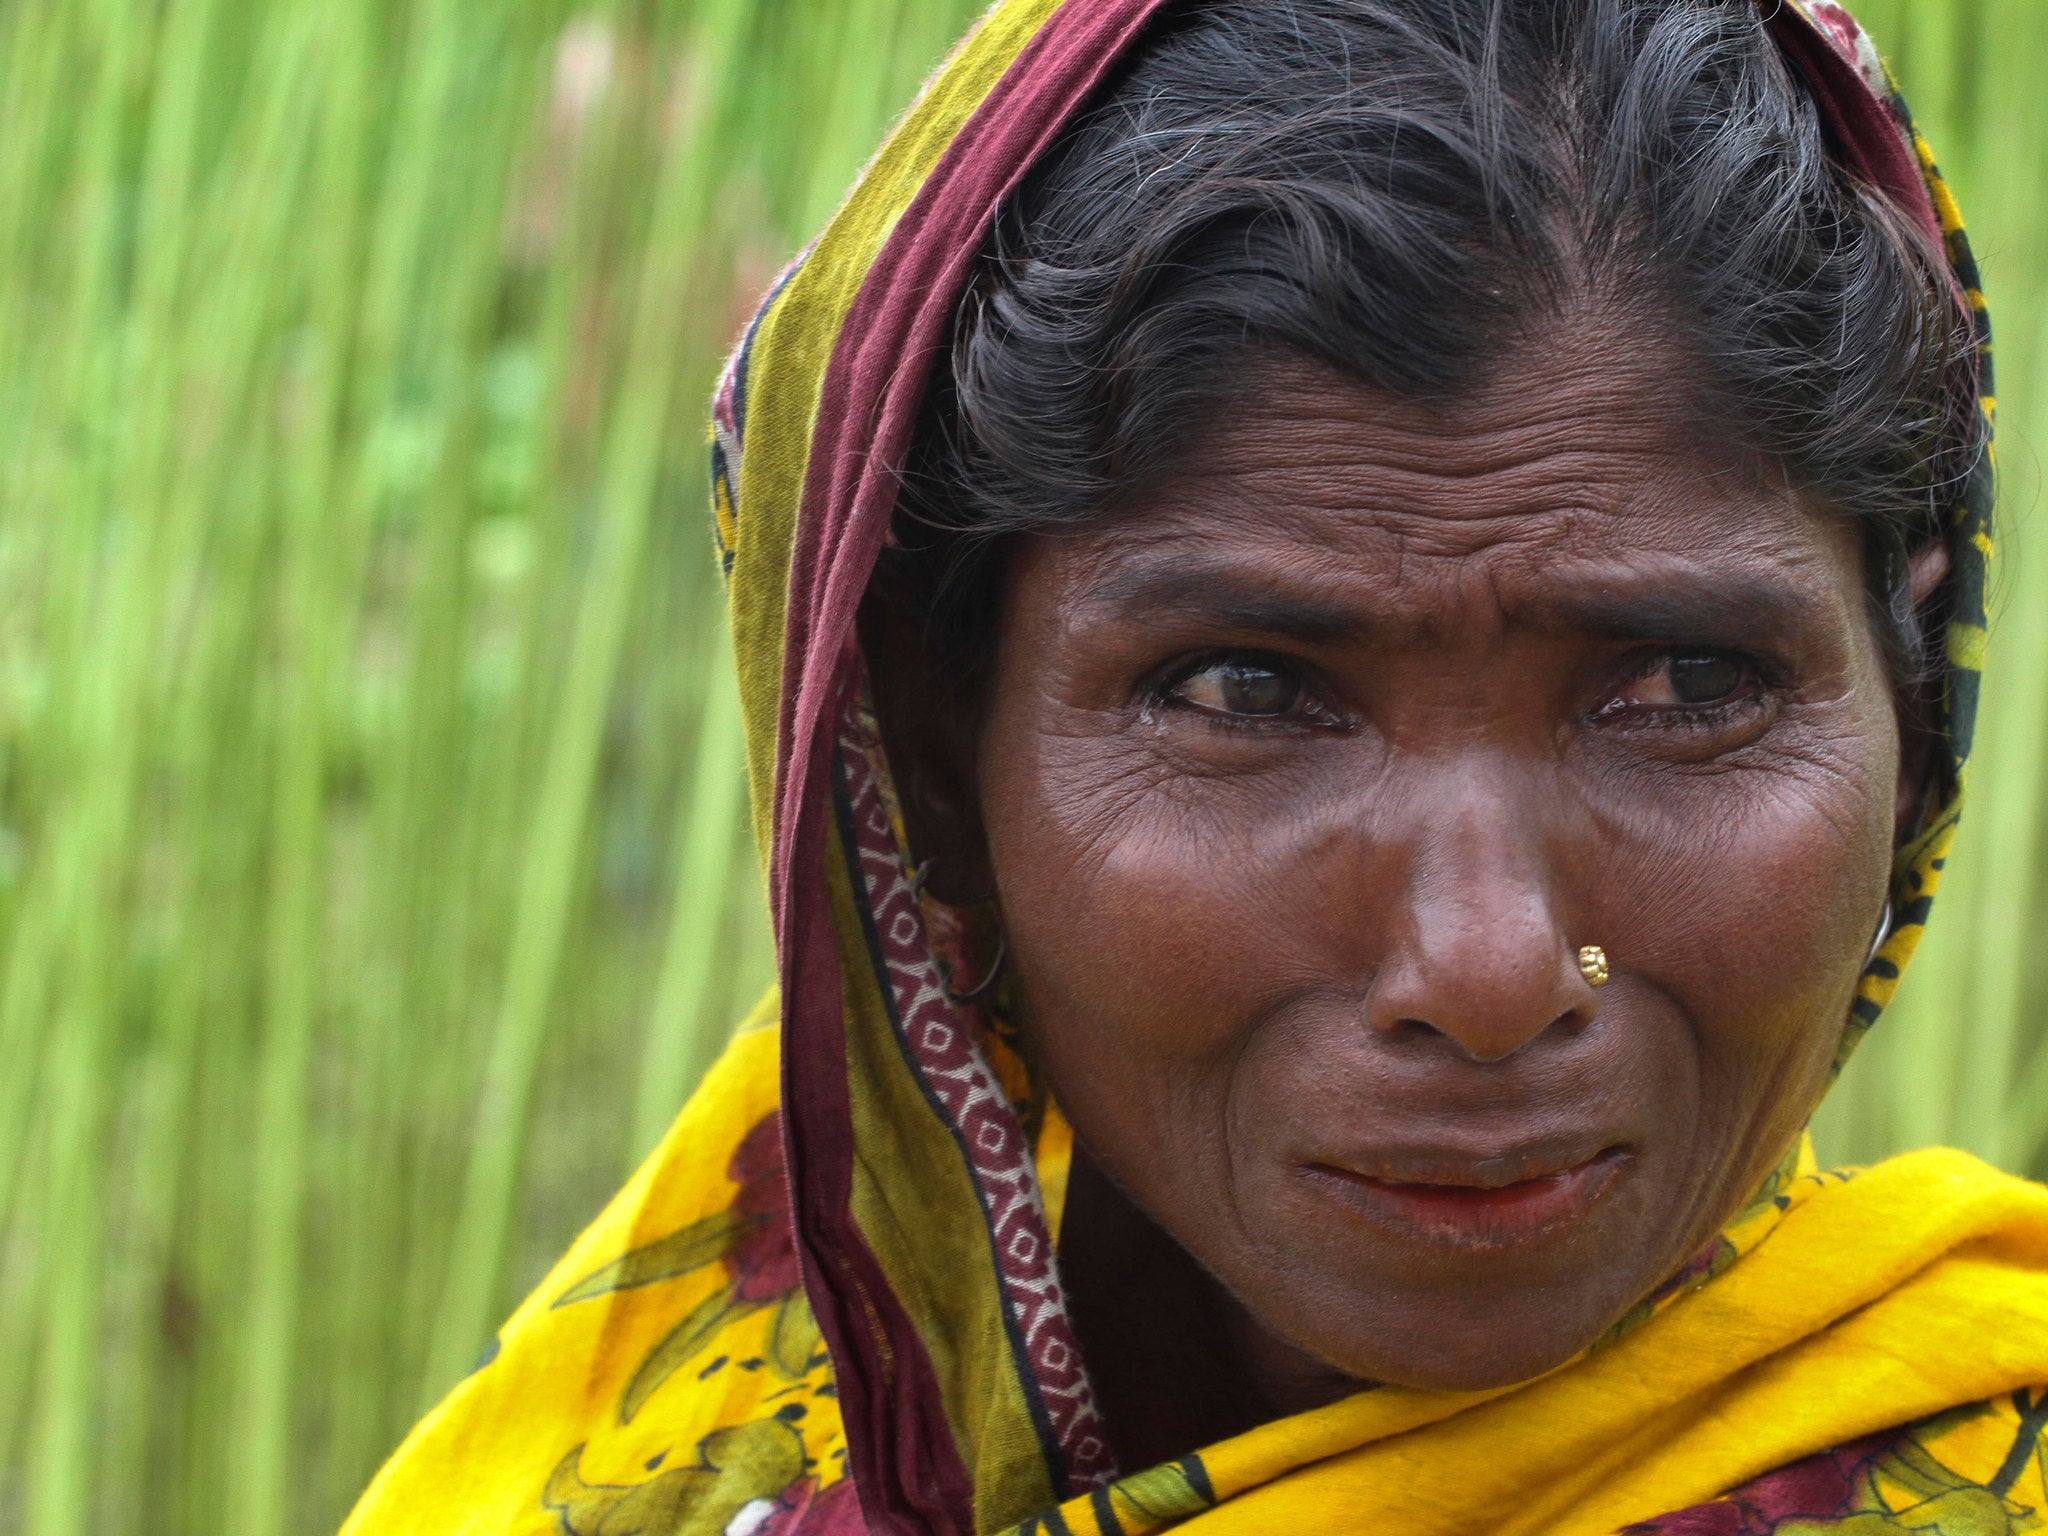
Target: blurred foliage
(372,885)
(1962,1057)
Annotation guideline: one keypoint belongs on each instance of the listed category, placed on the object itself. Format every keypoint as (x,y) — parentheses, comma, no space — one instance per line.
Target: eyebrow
(1730,607)
(1221,596)
(1734,606)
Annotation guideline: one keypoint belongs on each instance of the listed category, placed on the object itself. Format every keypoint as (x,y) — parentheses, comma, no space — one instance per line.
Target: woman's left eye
(1686,681)
(1242,688)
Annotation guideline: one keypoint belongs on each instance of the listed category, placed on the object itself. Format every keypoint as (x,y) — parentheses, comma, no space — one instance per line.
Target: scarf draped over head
(830,1302)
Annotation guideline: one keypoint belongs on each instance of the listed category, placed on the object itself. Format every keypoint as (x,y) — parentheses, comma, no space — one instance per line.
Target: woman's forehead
(1590,419)
(1561,499)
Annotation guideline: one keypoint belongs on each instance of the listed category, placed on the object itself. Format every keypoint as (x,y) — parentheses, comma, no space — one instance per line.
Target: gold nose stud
(1593,965)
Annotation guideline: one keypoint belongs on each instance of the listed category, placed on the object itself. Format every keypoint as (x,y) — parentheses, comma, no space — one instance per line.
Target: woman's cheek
(1147,928)
(1166,898)
(1750,896)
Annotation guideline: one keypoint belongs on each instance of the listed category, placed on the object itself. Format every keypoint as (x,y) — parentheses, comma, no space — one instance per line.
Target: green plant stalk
(319,554)
(1991,1120)
(627,485)
(28,994)
(158,1090)
(466,82)
(86,865)
(855,106)
(683,1030)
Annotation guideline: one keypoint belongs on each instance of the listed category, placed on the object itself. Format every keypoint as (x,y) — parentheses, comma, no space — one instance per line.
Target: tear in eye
(1243,688)
(1685,680)
(1705,677)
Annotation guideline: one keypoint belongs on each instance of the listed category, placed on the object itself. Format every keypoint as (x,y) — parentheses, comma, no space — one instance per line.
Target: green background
(372,874)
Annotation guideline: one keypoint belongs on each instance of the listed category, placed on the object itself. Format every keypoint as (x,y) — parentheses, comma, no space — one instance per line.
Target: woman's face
(1304,778)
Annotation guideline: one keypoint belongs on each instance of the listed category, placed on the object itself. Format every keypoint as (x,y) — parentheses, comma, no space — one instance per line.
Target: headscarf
(831,1302)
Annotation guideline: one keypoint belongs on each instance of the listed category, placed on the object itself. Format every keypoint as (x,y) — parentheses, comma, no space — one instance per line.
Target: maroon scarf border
(900,1448)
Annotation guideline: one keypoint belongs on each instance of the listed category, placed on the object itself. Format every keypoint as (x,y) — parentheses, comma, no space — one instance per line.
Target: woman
(1359,620)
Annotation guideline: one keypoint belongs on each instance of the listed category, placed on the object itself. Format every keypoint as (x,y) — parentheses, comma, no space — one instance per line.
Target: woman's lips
(1476,1212)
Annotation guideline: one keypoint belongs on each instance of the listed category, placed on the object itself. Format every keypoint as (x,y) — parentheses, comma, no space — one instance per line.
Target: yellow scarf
(643,1390)
(828,1303)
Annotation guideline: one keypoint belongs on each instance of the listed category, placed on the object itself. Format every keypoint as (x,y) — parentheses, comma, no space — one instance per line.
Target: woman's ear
(928,731)
(1919,742)
(1926,571)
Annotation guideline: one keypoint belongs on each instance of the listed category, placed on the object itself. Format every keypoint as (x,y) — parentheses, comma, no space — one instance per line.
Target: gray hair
(1400,188)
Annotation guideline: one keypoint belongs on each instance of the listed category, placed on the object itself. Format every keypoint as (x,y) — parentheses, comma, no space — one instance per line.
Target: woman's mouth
(1477,1211)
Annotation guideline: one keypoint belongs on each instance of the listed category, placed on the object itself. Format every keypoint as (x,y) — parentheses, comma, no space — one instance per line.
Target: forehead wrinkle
(1308,452)
(1318,518)
(1572,370)
(1325,594)
(1593,421)
(1249,522)
(1331,493)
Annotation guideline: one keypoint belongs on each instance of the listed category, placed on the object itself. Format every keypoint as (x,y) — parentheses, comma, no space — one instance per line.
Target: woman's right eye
(1241,688)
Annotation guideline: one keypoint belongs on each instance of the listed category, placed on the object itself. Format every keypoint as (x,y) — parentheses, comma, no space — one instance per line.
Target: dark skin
(1300,780)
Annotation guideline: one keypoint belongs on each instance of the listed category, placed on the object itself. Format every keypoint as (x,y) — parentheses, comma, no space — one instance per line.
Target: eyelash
(1762,681)
(1706,719)
(1760,676)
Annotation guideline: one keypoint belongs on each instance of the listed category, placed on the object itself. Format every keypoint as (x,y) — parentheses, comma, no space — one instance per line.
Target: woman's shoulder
(667,1369)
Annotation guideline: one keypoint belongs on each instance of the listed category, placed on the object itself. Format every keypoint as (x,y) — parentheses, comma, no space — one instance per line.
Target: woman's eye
(1705,678)
(1686,680)
(1243,688)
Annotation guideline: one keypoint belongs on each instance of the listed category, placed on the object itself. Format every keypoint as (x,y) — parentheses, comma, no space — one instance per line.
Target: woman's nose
(1476,952)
